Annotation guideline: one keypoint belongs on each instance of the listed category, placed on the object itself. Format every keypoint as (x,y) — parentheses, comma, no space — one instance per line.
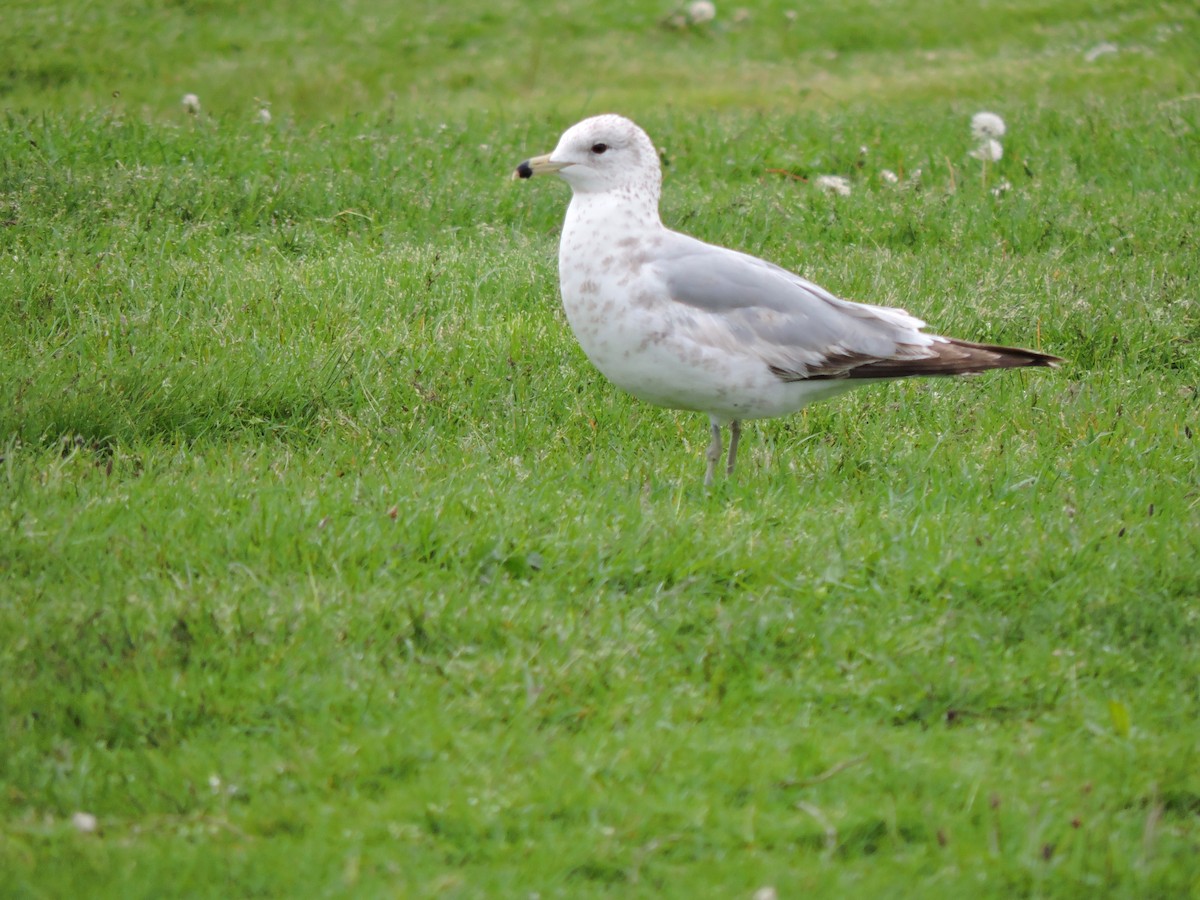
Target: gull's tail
(950,356)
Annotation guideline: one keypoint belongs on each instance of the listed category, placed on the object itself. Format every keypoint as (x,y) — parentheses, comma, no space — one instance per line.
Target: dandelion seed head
(833,184)
(264,116)
(700,11)
(888,176)
(84,822)
(989,151)
(191,104)
(986,125)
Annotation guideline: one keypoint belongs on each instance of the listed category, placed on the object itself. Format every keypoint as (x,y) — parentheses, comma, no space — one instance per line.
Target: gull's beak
(539,165)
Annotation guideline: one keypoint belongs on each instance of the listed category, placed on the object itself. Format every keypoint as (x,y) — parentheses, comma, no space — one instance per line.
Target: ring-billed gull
(687,325)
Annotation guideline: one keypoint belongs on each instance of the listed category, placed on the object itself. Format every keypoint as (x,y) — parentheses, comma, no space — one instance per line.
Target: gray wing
(799,330)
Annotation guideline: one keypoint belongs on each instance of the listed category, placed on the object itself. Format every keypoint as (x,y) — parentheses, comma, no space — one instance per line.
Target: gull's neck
(627,211)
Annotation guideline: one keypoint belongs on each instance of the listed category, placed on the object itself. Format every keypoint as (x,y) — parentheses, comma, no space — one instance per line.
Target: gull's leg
(735,433)
(713,454)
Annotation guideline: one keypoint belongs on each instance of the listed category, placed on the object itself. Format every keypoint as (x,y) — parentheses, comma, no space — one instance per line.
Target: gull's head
(600,154)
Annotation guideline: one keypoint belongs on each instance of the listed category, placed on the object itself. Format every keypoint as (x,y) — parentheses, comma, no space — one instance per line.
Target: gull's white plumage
(688,325)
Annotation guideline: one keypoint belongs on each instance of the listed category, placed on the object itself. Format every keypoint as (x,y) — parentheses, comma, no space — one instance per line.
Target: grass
(330,567)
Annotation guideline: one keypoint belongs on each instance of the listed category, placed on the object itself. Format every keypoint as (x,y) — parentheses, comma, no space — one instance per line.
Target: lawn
(330,567)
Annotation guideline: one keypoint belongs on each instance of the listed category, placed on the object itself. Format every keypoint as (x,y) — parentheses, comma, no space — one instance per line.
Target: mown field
(330,567)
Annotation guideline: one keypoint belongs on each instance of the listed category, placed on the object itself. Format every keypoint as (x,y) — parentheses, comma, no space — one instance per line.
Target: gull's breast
(652,346)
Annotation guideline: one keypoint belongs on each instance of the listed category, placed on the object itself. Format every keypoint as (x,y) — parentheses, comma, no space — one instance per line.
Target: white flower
(1002,188)
(766,892)
(989,151)
(84,822)
(264,116)
(833,184)
(888,176)
(191,104)
(987,125)
(700,11)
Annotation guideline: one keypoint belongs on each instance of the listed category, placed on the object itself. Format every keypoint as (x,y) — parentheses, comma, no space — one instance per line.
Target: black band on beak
(524,170)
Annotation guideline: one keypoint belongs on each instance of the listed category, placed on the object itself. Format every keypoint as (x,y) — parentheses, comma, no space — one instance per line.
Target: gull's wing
(741,304)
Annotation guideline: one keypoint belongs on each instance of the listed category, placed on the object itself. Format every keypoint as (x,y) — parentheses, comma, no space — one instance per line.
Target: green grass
(329,567)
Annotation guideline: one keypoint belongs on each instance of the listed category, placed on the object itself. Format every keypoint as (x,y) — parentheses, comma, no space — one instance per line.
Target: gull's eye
(599,148)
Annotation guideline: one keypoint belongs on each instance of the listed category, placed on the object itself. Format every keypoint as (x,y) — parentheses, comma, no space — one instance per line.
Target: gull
(683,324)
